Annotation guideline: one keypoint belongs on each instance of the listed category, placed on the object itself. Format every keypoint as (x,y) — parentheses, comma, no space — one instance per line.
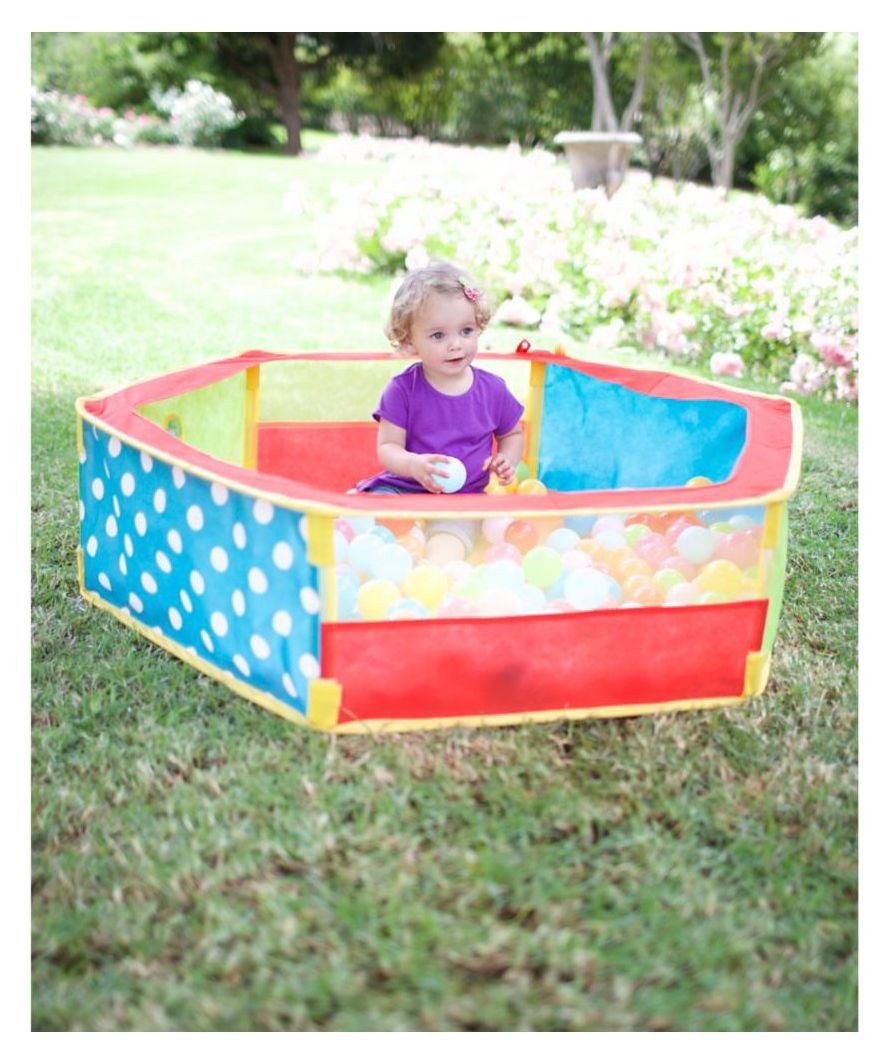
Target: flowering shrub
(200,115)
(739,286)
(60,119)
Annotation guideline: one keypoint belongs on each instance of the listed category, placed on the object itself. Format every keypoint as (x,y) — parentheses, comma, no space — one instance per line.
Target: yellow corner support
(251,416)
(534,408)
(756,673)
(325,696)
(320,539)
(772,524)
(79,436)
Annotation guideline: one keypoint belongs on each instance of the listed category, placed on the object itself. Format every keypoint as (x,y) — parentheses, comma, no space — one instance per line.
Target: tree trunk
(282,55)
(604,119)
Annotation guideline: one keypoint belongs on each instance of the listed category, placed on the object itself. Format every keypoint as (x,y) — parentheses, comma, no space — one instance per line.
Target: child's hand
(502,467)
(422,468)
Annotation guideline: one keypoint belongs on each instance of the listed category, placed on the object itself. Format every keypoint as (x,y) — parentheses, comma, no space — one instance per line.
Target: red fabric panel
(349,451)
(420,669)
(762,468)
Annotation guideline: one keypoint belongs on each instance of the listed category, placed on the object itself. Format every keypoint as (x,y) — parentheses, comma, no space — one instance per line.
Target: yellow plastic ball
(531,486)
(426,584)
(375,597)
(720,577)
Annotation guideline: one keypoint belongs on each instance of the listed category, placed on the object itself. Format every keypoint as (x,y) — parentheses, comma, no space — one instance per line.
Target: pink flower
(725,363)
(830,350)
(471,293)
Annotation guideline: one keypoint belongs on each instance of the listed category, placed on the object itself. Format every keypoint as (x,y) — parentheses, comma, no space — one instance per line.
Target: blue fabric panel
(598,436)
(221,573)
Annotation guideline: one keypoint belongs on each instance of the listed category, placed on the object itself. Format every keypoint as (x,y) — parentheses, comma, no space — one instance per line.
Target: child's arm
(393,456)
(510,449)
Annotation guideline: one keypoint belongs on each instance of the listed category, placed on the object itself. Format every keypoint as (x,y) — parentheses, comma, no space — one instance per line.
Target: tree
(740,71)
(269,68)
(599,49)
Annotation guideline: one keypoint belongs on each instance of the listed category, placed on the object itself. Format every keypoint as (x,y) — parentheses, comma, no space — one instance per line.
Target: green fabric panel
(209,418)
(776,583)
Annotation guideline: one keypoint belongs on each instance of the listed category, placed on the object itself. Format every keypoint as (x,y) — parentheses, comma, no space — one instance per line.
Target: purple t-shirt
(459,426)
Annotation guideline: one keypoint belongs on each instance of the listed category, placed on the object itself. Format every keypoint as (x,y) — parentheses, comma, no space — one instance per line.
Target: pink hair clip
(471,293)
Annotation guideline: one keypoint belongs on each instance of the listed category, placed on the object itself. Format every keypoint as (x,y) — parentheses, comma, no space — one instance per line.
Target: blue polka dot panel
(635,563)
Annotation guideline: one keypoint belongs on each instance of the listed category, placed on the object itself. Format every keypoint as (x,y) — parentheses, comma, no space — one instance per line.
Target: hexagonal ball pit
(638,566)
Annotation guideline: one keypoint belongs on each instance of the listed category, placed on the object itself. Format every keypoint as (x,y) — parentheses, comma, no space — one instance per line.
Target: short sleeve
(393,405)
(511,409)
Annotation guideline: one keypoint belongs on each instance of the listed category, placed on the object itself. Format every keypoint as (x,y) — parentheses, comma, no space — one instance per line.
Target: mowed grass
(199,864)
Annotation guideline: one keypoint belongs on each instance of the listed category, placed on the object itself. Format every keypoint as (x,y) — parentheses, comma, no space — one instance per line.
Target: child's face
(444,334)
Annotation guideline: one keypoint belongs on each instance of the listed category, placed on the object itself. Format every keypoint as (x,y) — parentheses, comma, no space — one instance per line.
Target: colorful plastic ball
(426,583)
(391,562)
(633,533)
(456,607)
(502,573)
(415,543)
(682,594)
(696,545)
(586,589)
(654,549)
(457,572)
(341,547)
(713,598)
(362,551)
(743,521)
(593,548)
(575,559)
(360,525)
(632,566)
(382,532)
(681,565)
(345,528)
(397,525)
(698,481)
(542,566)
(407,609)
(739,547)
(375,597)
(546,525)
(610,538)
(531,599)
(346,587)
(557,589)
(442,547)
(503,552)
(499,601)
(665,578)
(523,472)
(495,487)
(582,525)
(609,522)
(720,577)
(644,594)
(493,529)
(522,534)
(531,486)
(559,605)
(562,539)
(723,527)
(451,475)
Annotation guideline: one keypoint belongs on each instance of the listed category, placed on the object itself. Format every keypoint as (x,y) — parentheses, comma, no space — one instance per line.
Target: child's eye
(437,335)
(467,330)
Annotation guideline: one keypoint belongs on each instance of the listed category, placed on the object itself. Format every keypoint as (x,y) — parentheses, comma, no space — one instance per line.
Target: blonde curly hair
(435,277)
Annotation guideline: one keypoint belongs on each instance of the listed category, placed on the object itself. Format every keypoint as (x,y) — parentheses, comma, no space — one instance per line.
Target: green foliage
(107,68)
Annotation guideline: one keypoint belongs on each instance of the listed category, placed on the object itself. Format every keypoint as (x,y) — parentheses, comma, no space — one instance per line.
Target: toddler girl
(442,406)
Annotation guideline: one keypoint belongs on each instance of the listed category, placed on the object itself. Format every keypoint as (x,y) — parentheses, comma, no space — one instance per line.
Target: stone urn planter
(598,159)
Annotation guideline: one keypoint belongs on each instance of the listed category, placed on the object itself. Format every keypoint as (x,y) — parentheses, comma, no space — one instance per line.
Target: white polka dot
(256,578)
(146,462)
(186,601)
(282,623)
(149,583)
(135,602)
(122,564)
(309,666)
(114,446)
(289,685)
(174,541)
(160,500)
(178,477)
(259,647)
(82,509)
(309,600)
(239,534)
(111,526)
(263,511)
(219,623)
(207,640)
(239,605)
(303,528)
(283,556)
(92,545)
(195,518)
(128,546)
(241,664)
(128,484)
(141,523)
(104,581)
(95,433)
(116,506)
(163,562)
(106,470)
(125,609)
(219,559)
(98,488)
(219,493)
(197,581)
(82,456)
(175,618)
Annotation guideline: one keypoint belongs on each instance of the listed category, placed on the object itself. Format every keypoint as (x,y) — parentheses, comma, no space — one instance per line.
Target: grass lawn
(199,864)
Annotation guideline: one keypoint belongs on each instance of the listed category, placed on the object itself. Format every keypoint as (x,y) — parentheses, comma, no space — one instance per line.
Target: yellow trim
(534,408)
(237,686)
(772,525)
(756,673)
(80,444)
(325,697)
(320,539)
(251,416)
(80,568)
